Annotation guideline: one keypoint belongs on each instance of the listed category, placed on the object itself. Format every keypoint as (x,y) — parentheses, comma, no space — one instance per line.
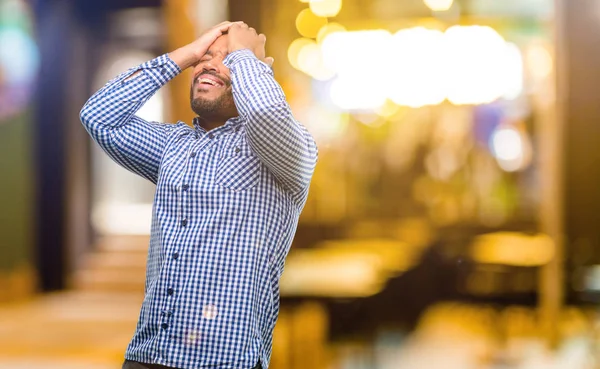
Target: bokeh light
(511,148)
(344,52)
(467,65)
(310,61)
(309,57)
(539,62)
(294,51)
(417,74)
(328,29)
(507,144)
(326,8)
(326,124)
(308,24)
(19,57)
(439,5)
(513,249)
(514,72)
(357,93)
(388,109)
(356,87)
(476,59)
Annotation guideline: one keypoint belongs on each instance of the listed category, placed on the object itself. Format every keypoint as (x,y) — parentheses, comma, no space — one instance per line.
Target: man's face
(211,96)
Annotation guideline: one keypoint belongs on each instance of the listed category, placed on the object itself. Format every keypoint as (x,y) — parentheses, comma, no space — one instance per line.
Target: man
(229,192)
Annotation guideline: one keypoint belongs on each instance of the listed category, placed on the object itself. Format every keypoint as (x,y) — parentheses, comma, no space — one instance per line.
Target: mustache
(226,82)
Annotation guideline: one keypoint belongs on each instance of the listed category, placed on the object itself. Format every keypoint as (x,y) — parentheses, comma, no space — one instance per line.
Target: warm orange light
(308,24)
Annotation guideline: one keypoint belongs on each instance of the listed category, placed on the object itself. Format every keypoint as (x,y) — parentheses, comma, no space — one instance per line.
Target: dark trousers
(128,364)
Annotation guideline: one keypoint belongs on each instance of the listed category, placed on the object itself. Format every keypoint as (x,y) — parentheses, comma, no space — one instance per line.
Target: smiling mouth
(209,82)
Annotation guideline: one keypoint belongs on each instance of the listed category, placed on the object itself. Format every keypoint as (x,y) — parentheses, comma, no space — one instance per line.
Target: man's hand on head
(241,36)
(190,54)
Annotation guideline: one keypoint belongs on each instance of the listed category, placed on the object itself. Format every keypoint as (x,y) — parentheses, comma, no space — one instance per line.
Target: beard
(221,108)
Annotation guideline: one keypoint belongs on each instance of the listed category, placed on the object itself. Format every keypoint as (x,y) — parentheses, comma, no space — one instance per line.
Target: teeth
(210,81)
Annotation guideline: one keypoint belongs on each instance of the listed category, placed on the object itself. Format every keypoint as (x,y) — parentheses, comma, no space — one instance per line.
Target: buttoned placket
(198,143)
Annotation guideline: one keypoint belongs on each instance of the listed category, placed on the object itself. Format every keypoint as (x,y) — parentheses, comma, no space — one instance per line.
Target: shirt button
(192,154)
(164,326)
(237,149)
(163,71)
(155,62)
(211,136)
(176,256)
(185,187)
(184,222)
(170,291)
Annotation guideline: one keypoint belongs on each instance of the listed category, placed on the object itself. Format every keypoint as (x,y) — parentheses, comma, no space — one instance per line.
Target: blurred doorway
(122,201)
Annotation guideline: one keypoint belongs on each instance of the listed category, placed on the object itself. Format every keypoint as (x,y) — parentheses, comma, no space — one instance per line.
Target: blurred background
(452,219)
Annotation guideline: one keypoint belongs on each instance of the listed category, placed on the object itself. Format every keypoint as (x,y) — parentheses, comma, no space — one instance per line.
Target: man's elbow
(303,170)
(92,121)
(85,115)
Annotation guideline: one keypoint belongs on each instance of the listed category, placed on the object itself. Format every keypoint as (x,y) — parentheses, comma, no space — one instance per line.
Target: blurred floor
(91,325)
(68,330)
(88,327)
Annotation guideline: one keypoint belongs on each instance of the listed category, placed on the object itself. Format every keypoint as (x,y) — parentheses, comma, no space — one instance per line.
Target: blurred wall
(16,204)
(579,96)
(19,60)
(74,38)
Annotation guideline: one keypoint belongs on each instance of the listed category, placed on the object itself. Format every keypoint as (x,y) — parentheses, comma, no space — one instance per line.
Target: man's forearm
(184,57)
(114,104)
(109,117)
(282,143)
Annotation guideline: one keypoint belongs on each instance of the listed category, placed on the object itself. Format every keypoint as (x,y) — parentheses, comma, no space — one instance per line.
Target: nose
(210,66)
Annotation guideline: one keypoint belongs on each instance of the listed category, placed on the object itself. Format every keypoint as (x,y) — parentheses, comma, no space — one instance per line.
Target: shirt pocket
(238,172)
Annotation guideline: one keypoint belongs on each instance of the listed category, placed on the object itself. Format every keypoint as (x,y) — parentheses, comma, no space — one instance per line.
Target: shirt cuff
(161,70)
(234,58)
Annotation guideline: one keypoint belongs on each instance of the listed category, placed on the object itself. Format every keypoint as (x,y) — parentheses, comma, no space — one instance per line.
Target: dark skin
(213,103)
(211,91)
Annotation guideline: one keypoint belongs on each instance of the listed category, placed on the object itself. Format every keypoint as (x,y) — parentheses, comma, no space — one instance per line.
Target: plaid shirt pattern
(225,212)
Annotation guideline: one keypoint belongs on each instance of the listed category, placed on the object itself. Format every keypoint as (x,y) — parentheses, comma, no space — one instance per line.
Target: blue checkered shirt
(225,212)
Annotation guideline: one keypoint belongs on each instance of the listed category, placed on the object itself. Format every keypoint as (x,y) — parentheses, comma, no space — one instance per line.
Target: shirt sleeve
(282,143)
(109,117)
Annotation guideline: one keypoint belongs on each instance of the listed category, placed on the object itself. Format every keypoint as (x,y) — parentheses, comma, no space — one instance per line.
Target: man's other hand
(190,54)
(241,36)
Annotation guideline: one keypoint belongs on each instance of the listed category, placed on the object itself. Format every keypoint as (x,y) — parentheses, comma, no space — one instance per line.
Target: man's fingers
(224,26)
(262,38)
(240,25)
(269,60)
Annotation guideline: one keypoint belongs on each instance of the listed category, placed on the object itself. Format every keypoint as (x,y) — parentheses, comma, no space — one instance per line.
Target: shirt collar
(231,123)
